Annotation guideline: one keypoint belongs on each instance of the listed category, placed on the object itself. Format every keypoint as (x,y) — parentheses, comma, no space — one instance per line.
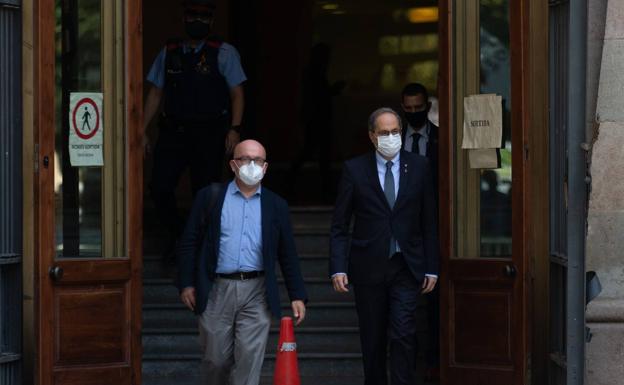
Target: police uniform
(196,83)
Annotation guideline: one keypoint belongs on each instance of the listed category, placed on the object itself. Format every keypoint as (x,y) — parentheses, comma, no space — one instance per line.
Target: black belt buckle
(242,276)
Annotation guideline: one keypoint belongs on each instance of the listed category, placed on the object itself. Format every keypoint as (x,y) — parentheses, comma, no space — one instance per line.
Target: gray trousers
(233,332)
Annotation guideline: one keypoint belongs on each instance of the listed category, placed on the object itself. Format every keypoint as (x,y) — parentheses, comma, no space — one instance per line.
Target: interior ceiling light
(422,15)
(330,7)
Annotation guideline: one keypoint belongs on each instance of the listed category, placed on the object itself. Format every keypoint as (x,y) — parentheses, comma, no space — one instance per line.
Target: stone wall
(605,237)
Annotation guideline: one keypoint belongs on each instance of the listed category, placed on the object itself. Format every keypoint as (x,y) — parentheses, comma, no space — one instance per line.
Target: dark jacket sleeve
(287,255)
(339,233)
(190,241)
(429,223)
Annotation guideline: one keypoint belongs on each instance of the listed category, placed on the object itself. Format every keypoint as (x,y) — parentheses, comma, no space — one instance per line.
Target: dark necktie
(389,192)
(415,141)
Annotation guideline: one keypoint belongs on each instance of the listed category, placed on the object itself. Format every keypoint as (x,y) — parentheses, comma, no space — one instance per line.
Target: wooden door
(88,219)
(484,226)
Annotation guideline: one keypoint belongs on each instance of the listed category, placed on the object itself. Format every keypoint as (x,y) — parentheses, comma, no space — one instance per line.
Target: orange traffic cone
(286,369)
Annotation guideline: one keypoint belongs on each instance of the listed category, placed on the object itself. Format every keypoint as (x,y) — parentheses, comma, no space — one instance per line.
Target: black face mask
(417,119)
(196,29)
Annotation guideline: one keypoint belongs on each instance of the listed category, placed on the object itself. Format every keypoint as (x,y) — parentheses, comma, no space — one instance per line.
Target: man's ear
(372,137)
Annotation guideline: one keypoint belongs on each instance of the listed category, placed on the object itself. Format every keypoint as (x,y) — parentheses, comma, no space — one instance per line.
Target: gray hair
(372,120)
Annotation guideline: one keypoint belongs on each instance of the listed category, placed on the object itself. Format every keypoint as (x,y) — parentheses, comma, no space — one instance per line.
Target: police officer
(199,79)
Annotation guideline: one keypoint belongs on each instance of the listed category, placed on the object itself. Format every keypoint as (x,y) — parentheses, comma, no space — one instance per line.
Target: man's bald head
(249,153)
(250,148)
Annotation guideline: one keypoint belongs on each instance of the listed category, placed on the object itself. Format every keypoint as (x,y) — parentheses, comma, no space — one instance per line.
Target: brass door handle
(56,273)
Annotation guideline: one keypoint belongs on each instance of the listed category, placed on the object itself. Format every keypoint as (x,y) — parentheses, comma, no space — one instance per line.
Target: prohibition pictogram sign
(89,114)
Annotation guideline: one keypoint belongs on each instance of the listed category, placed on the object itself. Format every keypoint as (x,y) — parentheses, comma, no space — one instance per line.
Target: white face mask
(251,174)
(389,145)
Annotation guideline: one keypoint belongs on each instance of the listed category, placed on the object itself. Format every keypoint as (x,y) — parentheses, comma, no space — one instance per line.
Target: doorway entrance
(493,229)
(88,221)
(363,53)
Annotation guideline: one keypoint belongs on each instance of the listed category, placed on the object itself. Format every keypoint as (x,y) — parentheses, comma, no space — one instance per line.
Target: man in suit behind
(392,255)
(421,137)
(227,258)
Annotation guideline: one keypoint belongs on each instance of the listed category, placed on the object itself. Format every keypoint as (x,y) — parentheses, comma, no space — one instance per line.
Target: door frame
(133,55)
(43,124)
(531,214)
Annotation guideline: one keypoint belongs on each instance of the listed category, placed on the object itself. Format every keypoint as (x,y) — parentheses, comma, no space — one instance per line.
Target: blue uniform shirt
(240,245)
(228,60)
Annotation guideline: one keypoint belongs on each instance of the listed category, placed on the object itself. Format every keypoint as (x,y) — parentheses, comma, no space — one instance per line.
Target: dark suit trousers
(387,317)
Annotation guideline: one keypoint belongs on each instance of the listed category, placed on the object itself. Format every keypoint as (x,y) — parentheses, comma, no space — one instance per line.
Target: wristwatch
(236,128)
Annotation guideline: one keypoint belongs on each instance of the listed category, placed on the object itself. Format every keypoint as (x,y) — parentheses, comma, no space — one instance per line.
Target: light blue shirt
(227,59)
(240,245)
(422,144)
(381,171)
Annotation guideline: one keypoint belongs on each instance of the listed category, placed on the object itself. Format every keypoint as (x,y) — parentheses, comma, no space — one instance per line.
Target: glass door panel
(483,196)
(495,78)
(88,199)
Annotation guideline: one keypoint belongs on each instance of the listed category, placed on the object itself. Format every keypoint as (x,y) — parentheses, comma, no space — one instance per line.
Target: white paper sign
(85,129)
(483,121)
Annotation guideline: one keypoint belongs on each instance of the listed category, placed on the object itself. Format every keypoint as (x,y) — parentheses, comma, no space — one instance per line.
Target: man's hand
(188,297)
(231,140)
(340,282)
(428,284)
(298,308)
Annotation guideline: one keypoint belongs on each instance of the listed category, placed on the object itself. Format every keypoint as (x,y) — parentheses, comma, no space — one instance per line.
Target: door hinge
(36,157)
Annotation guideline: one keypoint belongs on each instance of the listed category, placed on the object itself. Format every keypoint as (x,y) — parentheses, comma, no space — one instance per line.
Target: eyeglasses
(245,160)
(396,131)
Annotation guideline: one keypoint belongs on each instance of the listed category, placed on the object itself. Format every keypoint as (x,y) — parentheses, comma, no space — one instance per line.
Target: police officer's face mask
(417,119)
(197,29)
(250,174)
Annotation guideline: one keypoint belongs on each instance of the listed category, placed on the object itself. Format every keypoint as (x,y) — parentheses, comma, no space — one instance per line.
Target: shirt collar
(423,131)
(381,161)
(186,46)
(233,189)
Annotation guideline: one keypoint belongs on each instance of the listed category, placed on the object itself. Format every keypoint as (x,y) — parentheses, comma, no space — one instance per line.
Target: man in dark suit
(392,256)
(421,137)
(227,258)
